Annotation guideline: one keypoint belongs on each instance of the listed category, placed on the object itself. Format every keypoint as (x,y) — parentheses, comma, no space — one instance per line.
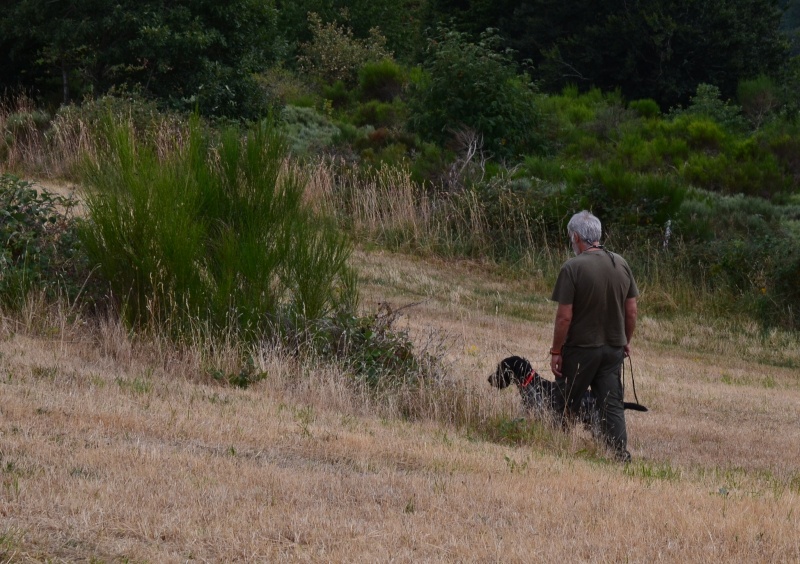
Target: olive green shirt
(597,288)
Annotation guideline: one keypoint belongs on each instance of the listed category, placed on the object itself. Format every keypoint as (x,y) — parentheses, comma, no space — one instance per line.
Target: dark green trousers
(600,368)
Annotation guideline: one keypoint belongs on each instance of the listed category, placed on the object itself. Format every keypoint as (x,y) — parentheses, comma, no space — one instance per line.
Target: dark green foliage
(211,234)
(372,350)
(471,86)
(398,20)
(339,95)
(381,114)
(382,80)
(188,53)
(647,108)
(40,248)
(652,49)
(745,246)
(759,98)
(334,53)
(708,102)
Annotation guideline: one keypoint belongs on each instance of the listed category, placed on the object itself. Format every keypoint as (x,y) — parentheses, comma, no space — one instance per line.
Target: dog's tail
(634,406)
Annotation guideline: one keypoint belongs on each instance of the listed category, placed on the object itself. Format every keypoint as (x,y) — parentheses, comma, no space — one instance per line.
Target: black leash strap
(637,406)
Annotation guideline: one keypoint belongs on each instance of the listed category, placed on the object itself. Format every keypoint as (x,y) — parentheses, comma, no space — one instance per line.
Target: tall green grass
(213,232)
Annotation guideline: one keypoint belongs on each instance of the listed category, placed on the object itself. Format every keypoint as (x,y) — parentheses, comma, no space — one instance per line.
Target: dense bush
(219,234)
(708,102)
(335,54)
(382,80)
(307,130)
(377,354)
(473,86)
(40,248)
(745,246)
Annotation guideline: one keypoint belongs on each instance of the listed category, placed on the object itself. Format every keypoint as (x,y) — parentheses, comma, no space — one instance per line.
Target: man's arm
(631,311)
(560,330)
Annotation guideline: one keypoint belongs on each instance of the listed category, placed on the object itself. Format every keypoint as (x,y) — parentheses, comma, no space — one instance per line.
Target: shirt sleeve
(564,290)
(633,290)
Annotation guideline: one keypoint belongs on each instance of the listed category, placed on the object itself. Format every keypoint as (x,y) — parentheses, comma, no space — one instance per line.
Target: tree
(186,52)
(471,86)
(660,49)
(397,20)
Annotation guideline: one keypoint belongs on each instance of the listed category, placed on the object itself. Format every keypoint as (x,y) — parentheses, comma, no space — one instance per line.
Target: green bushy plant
(646,108)
(40,248)
(473,86)
(213,233)
(744,245)
(381,114)
(382,80)
(708,102)
(338,94)
(334,53)
(705,135)
(759,98)
(21,124)
(376,353)
(307,130)
(282,86)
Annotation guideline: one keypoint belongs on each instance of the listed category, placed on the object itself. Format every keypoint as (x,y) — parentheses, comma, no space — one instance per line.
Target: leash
(633,381)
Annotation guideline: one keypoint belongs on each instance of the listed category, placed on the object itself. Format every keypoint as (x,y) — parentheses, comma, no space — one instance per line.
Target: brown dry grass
(119,449)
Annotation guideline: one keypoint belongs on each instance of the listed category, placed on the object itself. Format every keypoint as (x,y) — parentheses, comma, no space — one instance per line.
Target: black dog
(539,394)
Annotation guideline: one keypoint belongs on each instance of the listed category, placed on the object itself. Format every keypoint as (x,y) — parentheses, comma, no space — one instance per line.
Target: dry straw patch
(116,448)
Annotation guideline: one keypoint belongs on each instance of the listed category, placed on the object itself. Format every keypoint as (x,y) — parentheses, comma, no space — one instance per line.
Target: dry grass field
(113,449)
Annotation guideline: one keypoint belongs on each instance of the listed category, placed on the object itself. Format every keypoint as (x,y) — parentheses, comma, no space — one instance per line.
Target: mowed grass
(114,448)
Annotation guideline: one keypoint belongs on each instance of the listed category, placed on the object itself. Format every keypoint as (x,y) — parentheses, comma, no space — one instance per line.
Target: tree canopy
(660,49)
(192,53)
(203,52)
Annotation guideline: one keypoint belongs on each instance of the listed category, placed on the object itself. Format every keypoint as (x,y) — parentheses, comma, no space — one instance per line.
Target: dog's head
(511,370)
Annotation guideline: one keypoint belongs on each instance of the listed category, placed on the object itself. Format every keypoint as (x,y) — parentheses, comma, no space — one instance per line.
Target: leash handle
(633,381)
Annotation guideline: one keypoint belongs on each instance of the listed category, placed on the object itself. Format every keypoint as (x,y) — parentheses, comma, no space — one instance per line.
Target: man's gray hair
(586,225)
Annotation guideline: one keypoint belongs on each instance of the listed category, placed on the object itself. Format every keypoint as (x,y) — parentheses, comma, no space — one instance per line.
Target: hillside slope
(115,450)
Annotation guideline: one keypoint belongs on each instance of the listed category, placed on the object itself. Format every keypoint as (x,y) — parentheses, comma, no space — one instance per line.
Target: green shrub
(24,123)
(307,130)
(759,98)
(381,114)
(707,102)
(40,248)
(471,86)
(382,80)
(335,54)
(373,351)
(746,168)
(282,86)
(646,108)
(705,135)
(338,94)
(219,235)
(744,246)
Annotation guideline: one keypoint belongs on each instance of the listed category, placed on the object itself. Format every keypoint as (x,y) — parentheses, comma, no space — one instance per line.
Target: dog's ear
(521,367)
(503,375)
(510,369)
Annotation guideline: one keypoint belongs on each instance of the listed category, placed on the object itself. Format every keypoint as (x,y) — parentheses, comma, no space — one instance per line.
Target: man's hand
(627,349)
(555,364)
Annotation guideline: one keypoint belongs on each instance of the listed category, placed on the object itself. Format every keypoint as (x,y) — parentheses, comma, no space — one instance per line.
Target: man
(596,316)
